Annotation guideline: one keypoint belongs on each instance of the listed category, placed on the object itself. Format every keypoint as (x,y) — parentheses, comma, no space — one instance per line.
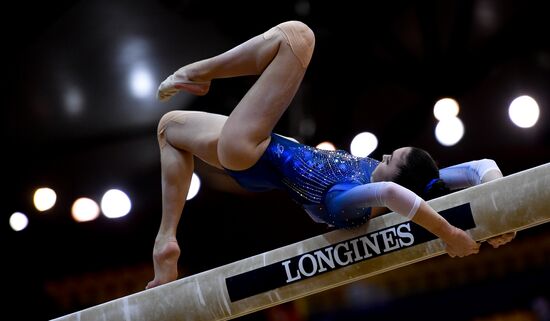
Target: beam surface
(512,203)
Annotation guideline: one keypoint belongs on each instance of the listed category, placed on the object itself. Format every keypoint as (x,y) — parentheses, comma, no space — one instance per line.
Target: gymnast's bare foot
(165,262)
(180,81)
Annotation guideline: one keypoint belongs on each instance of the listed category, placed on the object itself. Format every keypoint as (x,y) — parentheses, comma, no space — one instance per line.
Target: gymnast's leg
(181,134)
(280,56)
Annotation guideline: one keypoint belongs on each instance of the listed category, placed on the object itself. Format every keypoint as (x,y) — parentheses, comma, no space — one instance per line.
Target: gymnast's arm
(403,201)
(470,173)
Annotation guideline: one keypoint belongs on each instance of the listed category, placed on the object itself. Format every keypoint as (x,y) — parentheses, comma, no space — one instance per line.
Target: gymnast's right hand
(460,244)
(501,239)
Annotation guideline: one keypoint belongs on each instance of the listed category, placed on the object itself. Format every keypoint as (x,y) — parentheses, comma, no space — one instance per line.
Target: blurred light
(307,127)
(115,203)
(18,221)
(326,146)
(363,144)
(445,108)
(486,17)
(141,82)
(133,56)
(74,102)
(84,210)
(302,7)
(44,198)
(524,111)
(449,131)
(194,187)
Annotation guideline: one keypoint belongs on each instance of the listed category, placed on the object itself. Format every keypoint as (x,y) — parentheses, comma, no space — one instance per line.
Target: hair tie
(430,184)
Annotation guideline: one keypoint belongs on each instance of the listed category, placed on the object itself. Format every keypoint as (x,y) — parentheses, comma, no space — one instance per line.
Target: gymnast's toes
(177,82)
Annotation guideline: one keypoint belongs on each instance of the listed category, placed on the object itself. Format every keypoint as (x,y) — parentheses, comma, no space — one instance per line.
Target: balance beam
(512,203)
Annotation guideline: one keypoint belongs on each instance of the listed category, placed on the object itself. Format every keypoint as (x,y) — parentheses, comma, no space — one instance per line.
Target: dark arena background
(80,116)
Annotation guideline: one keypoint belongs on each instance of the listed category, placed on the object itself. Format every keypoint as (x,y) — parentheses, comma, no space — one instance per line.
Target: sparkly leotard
(311,176)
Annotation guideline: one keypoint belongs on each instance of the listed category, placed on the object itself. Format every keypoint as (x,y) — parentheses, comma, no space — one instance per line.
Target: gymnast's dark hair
(420,174)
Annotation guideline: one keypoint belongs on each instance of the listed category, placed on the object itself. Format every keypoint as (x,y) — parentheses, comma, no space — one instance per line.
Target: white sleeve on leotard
(380,194)
(467,174)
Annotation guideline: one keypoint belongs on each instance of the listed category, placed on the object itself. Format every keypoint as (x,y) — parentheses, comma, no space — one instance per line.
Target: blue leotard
(311,176)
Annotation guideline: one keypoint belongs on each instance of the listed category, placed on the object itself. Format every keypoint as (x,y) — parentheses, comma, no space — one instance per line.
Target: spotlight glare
(194,187)
(363,144)
(445,108)
(449,131)
(115,203)
(524,111)
(18,221)
(44,198)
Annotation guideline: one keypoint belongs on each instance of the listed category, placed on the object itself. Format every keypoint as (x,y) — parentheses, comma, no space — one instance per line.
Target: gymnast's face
(390,165)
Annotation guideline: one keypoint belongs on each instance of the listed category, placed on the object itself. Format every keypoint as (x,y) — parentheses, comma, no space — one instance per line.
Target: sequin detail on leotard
(307,173)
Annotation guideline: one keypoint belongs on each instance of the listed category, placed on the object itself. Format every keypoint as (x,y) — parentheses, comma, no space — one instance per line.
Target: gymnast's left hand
(460,244)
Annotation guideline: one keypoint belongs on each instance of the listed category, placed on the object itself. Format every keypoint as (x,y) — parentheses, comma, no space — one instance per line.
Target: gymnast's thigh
(196,132)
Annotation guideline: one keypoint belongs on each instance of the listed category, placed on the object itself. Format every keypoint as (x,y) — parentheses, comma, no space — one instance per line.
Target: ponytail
(435,188)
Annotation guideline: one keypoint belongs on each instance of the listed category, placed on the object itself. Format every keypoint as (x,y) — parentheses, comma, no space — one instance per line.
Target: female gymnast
(333,187)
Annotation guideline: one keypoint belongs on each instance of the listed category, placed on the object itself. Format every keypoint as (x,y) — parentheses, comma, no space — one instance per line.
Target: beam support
(512,203)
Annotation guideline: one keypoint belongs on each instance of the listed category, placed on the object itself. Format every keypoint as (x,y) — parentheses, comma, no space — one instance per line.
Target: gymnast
(333,187)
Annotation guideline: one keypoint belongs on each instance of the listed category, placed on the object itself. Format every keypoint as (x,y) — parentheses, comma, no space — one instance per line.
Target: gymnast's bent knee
(174,116)
(299,37)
